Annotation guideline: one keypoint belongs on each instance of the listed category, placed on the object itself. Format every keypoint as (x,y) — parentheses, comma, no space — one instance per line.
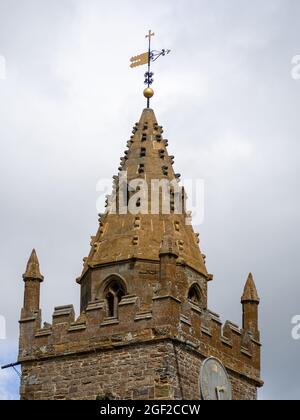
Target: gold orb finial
(148,93)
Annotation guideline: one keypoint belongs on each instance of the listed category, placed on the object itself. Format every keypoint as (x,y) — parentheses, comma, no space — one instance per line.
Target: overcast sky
(230,109)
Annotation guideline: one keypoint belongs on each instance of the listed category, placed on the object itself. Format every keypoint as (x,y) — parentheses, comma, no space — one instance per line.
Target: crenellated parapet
(169,319)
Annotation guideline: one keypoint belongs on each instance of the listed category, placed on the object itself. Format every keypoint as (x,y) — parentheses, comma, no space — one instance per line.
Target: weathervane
(147,58)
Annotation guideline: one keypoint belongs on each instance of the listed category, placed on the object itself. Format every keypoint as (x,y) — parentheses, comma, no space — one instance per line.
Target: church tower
(144,329)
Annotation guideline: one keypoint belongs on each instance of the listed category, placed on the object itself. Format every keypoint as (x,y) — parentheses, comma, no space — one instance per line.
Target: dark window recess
(110,305)
(143,152)
(172,200)
(141,168)
(162,154)
(194,294)
(165,170)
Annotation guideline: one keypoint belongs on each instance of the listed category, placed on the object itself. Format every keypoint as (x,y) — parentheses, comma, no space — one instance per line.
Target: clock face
(214,381)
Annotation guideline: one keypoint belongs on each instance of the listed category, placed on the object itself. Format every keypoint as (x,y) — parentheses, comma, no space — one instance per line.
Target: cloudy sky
(230,108)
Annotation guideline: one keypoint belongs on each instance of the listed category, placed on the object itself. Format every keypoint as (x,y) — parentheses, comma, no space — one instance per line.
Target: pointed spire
(33,268)
(250,293)
(140,234)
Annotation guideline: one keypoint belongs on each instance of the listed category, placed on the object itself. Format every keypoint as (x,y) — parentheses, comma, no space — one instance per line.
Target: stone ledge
(226,341)
(43,333)
(77,327)
(166,297)
(185,320)
(195,308)
(93,306)
(128,300)
(29,319)
(63,310)
(246,352)
(206,331)
(234,328)
(109,321)
(140,317)
(258,343)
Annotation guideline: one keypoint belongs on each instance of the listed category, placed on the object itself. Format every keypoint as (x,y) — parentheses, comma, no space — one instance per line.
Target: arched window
(113,294)
(194,295)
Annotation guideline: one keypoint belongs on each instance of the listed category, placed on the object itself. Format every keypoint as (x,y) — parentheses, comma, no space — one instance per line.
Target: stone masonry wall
(189,364)
(161,370)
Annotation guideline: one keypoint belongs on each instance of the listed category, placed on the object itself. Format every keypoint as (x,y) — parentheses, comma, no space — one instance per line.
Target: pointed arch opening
(113,293)
(195,295)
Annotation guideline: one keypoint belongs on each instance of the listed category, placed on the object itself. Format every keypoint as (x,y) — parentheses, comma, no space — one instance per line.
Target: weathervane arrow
(147,58)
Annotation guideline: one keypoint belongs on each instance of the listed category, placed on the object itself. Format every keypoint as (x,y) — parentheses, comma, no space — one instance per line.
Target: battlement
(200,330)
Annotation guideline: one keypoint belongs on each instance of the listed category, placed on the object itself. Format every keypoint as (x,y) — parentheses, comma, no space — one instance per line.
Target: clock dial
(214,381)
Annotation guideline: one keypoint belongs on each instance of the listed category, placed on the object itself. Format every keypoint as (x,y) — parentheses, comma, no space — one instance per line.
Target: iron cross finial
(150,34)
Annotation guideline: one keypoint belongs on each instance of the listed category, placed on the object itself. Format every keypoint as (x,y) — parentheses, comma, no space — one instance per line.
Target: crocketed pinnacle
(169,246)
(33,268)
(250,293)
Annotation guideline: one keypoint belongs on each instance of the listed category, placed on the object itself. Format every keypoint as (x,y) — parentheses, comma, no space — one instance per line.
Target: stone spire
(250,292)
(33,279)
(250,302)
(33,268)
(122,237)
